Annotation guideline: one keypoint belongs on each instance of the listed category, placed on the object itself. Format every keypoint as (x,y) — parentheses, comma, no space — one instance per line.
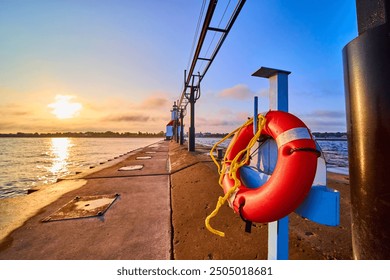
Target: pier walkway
(158,215)
(136,226)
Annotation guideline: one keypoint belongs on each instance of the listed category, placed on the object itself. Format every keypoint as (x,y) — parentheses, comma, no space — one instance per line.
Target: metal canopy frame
(190,97)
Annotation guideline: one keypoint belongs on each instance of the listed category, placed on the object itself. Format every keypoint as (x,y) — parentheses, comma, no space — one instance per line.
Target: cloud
(325,120)
(226,111)
(6,125)
(127,118)
(264,92)
(115,113)
(332,114)
(241,92)
(214,122)
(19,113)
(150,112)
(223,124)
(15,113)
(12,109)
(154,102)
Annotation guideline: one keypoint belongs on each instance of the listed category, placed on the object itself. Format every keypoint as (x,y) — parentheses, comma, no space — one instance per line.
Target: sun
(64,108)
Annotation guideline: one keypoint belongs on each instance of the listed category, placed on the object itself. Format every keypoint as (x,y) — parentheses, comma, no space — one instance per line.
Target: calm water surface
(335,152)
(29,162)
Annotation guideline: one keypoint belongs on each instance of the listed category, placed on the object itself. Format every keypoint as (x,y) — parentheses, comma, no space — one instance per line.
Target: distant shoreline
(339,136)
(107,134)
(331,139)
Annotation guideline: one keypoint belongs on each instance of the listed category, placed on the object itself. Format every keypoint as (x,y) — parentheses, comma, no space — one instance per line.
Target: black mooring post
(367,90)
(191,132)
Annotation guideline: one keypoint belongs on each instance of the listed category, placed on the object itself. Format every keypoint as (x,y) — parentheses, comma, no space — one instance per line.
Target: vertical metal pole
(255,114)
(175,131)
(278,96)
(278,239)
(278,248)
(279,91)
(367,91)
(177,125)
(191,136)
(181,126)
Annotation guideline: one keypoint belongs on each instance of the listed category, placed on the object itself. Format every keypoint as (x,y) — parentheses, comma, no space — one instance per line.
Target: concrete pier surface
(158,214)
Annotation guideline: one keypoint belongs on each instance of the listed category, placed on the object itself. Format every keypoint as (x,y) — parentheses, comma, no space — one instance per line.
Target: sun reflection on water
(60,152)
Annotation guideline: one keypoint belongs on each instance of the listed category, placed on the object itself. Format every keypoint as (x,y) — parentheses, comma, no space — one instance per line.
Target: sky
(118,65)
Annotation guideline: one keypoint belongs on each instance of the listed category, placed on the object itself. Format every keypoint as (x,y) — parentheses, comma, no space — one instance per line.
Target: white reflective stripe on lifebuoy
(232,198)
(293,134)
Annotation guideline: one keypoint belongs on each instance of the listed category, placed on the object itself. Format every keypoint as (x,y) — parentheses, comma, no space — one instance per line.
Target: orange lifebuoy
(293,175)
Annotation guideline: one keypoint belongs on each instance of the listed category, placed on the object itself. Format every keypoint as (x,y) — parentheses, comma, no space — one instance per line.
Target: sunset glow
(60,153)
(79,66)
(64,108)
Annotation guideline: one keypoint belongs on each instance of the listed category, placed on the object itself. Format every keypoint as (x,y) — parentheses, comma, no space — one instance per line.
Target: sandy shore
(195,191)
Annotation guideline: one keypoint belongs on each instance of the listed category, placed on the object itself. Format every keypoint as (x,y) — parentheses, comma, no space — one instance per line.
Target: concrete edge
(15,211)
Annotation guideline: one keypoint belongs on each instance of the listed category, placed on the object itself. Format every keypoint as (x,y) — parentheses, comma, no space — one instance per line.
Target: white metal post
(278,99)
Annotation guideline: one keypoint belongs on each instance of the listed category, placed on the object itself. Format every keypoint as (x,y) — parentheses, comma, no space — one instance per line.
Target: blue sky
(119,64)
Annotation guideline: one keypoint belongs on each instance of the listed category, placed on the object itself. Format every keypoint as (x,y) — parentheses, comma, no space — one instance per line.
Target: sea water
(334,151)
(29,162)
(336,155)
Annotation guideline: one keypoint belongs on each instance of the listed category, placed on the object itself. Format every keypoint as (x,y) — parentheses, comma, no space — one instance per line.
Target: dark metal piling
(367,89)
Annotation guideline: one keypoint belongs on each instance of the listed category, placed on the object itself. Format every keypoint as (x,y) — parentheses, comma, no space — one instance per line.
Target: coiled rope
(231,167)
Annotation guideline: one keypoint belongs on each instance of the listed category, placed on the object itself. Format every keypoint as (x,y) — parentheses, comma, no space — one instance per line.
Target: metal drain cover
(83,207)
(131,167)
(143,157)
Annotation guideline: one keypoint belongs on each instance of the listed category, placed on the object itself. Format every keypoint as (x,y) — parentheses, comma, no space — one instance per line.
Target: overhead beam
(205,28)
(206,24)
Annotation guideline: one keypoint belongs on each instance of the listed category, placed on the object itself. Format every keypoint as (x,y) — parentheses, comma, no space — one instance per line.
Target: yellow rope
(235,164)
